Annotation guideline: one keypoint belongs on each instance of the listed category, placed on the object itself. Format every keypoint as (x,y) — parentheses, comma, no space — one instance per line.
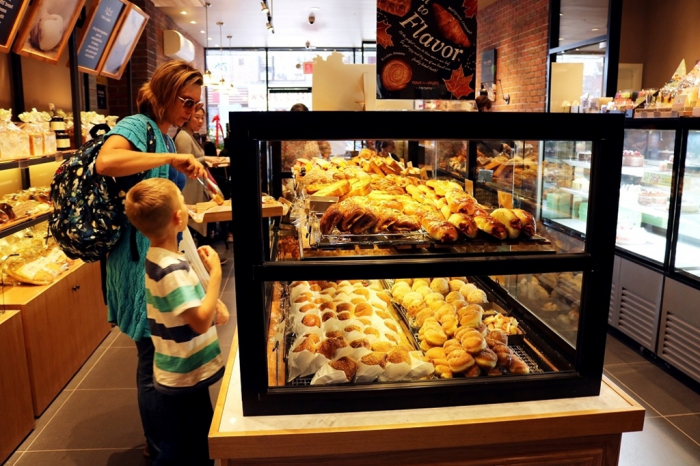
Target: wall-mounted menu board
(46,28)
(123,46)
(104,20)
(11,14)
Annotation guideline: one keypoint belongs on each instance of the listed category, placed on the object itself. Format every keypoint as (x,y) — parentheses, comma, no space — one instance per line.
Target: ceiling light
(193,22)
(269,26)
(209,38)
(561,14)
(208,79)
(203,32)
(183,12)
(315,8)
(561,38)
(264,7)
(594,29)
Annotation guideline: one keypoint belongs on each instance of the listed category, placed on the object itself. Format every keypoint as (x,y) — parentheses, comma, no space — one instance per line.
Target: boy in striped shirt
(181,317)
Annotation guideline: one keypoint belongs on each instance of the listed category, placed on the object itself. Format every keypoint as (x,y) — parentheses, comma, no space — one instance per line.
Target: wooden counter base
(579,431)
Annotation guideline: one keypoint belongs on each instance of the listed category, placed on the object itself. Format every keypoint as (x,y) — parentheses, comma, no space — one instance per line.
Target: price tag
(469,187)
(505,200)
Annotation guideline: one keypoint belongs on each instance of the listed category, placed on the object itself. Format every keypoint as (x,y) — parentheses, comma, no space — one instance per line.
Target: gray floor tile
(617,352)
(226,332)
(87,367)
(659,444)
(123,341)
(657,388)
(112,457)
(689,424)
(41,422)
(111,336)
(649,411)
(116,369)
(93,419)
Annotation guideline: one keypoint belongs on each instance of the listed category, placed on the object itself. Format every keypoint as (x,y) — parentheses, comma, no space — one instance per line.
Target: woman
(169,99)
(185,143)
(293,150)
(388,149)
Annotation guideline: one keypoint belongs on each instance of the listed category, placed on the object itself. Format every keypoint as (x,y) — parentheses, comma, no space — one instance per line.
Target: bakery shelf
(575,192)
(29,161)
(21,223)
(577,163)
(573,223)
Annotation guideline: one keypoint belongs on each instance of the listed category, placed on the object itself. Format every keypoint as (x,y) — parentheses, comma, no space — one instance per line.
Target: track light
(269,26)
(265,9)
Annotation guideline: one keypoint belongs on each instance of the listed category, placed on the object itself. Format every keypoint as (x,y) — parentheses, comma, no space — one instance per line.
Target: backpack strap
(151,141)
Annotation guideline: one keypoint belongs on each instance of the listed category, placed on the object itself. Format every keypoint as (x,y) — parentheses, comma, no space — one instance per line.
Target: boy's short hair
(150,205)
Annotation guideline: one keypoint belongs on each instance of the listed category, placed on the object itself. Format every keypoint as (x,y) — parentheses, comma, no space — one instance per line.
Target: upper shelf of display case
(374,214)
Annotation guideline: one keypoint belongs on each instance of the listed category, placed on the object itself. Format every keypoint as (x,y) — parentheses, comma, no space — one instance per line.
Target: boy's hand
(210,258)
(222,314)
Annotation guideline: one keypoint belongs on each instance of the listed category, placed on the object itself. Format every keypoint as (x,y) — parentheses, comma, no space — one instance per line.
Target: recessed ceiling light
(183,12)
(561,14)
(208,38)
(594,29)
(193,22)
(203,32)
(561,38)
(315,8)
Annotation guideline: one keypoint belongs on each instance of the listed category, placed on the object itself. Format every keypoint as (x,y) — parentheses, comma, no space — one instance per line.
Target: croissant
(509,220)
(365,222)
(404,223)
(465,224)
(385,218)
(352,212)
(491,226)
(449,26)
(330,219)
(527,220)
(439,230)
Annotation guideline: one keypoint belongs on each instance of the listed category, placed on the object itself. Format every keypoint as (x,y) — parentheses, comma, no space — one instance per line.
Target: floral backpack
(88,213)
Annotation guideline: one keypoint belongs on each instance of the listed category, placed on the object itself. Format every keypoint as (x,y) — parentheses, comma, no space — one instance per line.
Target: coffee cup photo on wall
(46,28)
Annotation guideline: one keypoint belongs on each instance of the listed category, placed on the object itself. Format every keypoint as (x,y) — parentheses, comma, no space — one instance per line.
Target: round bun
(433,297)
(329,306)
(328,315)
(436,353)
(419,282)
(364,292)
(486,359)
(307,307)
(422,315)
(375,358)
(382,346)
(453,296)
(344,315)
(435,337)
(455,285)
(477,297)
(496,337)
(398,355)
(358,299)
(459,361)
(440,285)
(464,290)
(360,343)
(474,371)
(435,305)
(407,281)
(311,320)
(517,366)
(364,310)
(473,342)
(315,287)
(424,291)
(410,297)
(470,317)
(400,292)
(504,354)
(345,364)
(342,307)
(371,331)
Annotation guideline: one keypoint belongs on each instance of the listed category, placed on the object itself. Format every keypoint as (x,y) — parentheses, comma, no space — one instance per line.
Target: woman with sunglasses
(169,99)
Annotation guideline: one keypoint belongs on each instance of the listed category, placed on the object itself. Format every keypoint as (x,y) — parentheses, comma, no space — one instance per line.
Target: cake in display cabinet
(392,286)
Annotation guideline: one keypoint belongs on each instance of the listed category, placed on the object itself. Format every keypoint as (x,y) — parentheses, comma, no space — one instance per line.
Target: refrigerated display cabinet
(529,284)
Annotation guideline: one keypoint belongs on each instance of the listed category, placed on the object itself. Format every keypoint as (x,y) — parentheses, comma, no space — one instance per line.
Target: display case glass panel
(645,191)
(687,254)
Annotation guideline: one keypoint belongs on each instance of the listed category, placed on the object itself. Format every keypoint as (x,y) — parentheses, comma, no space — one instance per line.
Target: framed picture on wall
(123,46)
(103,22)
(10,21)
(46,28)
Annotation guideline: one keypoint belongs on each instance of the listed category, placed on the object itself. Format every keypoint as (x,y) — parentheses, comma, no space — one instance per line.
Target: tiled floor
(95,420)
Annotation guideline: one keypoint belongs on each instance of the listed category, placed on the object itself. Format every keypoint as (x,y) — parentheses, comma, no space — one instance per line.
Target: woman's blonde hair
(150,205)
(166,84)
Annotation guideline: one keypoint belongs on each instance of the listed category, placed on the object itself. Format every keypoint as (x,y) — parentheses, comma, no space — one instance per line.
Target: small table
(575,431)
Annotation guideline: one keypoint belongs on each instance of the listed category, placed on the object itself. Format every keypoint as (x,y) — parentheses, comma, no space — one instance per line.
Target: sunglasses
(189,103)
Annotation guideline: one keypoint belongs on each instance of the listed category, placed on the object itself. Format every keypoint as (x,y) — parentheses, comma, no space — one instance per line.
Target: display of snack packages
(31,258)
(42,140)
(14,143)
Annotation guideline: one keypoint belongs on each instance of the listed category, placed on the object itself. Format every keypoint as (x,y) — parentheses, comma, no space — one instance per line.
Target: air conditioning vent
(637,318)
(681,345)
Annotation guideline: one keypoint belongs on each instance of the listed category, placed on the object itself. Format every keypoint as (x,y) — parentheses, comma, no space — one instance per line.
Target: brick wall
(147,56)
(518,30)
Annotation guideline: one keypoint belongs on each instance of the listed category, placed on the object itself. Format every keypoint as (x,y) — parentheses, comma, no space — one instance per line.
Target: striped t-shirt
(183,358)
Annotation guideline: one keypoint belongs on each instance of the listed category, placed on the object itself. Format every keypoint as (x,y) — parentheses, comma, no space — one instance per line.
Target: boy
(181,316)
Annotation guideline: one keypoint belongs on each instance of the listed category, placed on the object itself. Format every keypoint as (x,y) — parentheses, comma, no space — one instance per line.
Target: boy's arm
(201,318)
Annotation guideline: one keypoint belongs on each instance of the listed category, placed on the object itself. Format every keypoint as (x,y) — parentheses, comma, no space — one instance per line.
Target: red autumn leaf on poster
(383,37)
(458,84)
(470,7)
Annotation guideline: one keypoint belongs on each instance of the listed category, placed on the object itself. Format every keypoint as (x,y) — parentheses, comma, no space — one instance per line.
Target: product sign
(11,12)
(426,49)
(98,34)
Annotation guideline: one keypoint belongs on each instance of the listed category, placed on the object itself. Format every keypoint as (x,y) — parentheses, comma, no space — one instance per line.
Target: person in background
(483,103)
(293,150)
(182,316)
(168,99)
(186,142)
(388,149)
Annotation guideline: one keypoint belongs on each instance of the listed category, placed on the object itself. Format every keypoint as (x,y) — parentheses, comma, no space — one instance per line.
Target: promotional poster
(426,49)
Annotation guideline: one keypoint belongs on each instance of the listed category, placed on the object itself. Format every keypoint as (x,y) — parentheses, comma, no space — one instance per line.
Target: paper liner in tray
(418,369)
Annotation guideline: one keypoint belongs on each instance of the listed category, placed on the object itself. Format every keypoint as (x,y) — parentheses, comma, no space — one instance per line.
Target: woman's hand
(187,164)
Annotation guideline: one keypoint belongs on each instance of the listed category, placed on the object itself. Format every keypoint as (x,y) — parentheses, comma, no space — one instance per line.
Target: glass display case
(686,251)
(391,288)
(646,188)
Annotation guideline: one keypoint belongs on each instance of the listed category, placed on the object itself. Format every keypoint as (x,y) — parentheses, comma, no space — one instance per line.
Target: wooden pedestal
(16,411)
(63,324)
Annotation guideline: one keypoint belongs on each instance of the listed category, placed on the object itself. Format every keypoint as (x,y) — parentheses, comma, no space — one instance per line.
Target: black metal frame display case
(249,139)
